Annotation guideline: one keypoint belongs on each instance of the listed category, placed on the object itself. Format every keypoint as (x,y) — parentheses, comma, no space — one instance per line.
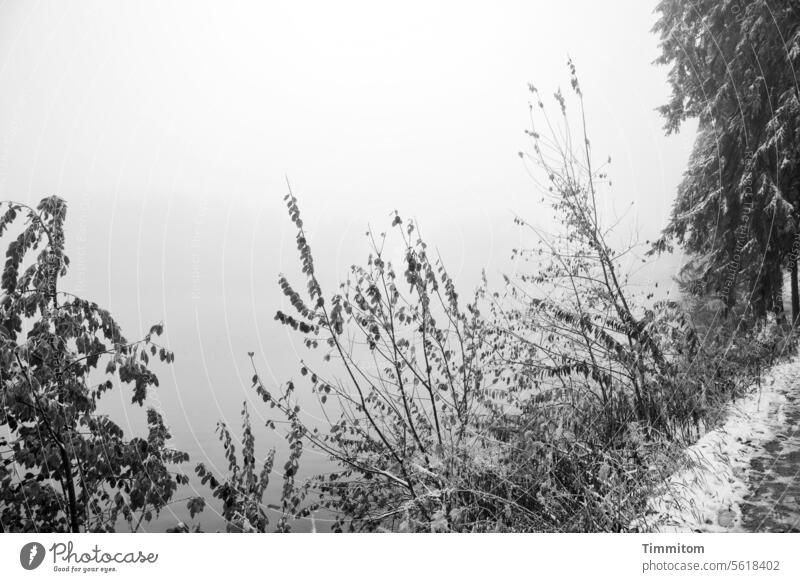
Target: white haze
(170,129)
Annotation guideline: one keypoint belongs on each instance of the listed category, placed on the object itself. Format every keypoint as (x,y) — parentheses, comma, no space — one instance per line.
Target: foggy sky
(170,129)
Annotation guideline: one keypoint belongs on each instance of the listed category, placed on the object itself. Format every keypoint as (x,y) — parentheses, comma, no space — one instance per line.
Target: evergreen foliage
(733,67)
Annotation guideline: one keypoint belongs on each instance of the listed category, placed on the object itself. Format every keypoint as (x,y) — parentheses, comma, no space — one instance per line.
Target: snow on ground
(706,494)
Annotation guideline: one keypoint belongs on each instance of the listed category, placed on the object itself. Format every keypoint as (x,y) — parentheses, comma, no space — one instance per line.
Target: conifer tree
(733,67)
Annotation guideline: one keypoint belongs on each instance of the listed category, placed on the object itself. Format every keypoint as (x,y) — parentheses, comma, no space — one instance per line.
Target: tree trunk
(795,293)
(760,298)
(777,296)
(70,482)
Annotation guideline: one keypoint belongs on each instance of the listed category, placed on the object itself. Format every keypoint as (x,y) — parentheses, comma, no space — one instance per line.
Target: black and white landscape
(527,266)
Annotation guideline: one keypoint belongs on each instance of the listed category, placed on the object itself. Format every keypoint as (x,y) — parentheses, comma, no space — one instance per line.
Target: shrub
(553,406)
(64,466)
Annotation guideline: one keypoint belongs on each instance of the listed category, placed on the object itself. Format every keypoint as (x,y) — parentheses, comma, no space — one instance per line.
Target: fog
(171,129)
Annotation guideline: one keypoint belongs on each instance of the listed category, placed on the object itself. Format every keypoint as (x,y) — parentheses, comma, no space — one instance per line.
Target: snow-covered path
(745,475)
(773,503)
